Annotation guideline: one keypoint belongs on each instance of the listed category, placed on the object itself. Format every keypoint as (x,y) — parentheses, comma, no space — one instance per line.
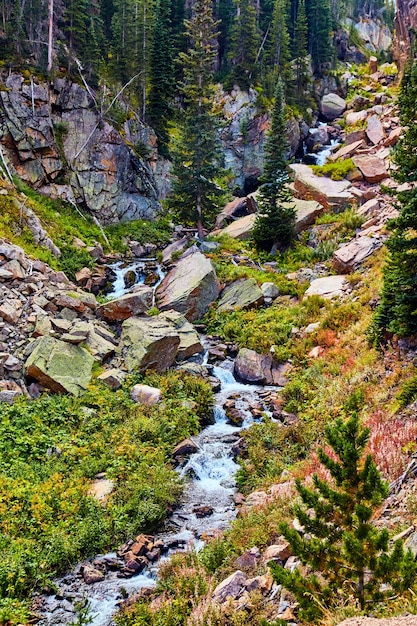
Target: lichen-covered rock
(190,343)
(241,294)
(105,173)
(332,106)
(190,287)
(261,369)
(59,366)
(149,343)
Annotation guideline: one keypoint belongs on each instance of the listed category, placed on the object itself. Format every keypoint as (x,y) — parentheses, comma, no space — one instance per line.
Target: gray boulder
(149,343)
(130,304)
(59,366)
(252,367)
(332,106)
(190,287)
(241,294)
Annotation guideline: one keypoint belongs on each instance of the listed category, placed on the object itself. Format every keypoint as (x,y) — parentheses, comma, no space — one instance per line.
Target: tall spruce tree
(319,27)
(341,542)
(397,312)
(245,41)
(161,76)
(277,55)
(197,155)
(274,225)
(297,86)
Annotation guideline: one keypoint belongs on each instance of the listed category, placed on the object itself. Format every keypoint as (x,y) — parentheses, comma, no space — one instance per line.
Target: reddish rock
(375,130)
(11,310)
(128,305)
(348,150)
(351,255)
(184,448)
(83,275)
(356,135)
(231,587)
(278,552)
(372,168)
(92,575)
(393,137)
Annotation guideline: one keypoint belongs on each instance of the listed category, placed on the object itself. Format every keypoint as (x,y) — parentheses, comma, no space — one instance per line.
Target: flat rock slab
(347,151)
(59,366)
(241,294)
(372,168)
(239,229)
(351,255)
(190,287)
(405,620)
(331,194)
(130,304)
(252,367)
(327,287)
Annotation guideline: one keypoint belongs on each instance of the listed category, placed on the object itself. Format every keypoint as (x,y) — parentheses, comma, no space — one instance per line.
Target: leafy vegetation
(337,170)
(50,451)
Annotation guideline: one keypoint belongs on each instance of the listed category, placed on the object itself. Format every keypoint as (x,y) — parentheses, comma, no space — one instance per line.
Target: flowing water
(138,269)
(210,482)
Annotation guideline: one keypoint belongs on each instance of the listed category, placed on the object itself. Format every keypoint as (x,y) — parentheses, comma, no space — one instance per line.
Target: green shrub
(337,170)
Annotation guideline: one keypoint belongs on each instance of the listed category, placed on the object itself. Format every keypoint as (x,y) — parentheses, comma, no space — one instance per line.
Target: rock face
(126,306)
(190,287)
(332,106)
(190,343)
(351,255)
(331,194)
(261,369)
(104,172)
(241,294)
(59,366)
(306,213)
(149,343)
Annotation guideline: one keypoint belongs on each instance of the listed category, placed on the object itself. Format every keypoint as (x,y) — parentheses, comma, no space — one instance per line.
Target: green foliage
(397,312)
(408,392)
(244,44)
(195,196)
(275,221)
(73,259)
(158,232)
(337,170)
(50,451)
(341,543)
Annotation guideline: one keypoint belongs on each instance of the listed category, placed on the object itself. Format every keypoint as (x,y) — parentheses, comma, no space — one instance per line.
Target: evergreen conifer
(397,312)
(244,45)
(195,194)
(347,554)
(274,225)
(161,76)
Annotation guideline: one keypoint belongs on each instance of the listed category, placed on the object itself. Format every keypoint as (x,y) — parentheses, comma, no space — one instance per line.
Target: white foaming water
(207,505)
(138,268)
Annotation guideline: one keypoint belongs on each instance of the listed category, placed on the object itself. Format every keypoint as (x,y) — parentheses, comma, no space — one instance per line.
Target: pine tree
(245,40)
(319,27)
(341,543)
(296,88)
(197,156)
(161,77)
(274,225)
(397,312)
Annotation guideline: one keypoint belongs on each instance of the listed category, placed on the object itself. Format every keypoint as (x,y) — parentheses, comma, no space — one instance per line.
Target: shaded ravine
(210,482)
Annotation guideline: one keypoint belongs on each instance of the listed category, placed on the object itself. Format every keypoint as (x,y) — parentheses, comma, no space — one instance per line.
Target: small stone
(145,394)
(92,575)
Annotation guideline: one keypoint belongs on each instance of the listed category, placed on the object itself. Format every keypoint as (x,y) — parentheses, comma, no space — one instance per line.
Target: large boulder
(149,343)
(251,367)
(130,304)
(190,343)
(332,106)
(231,587)
(331,194)
(190,287)
(306,213)
(59,366)
(372,168)
(351,255)
(327,287)
(240,229)
(241,294)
